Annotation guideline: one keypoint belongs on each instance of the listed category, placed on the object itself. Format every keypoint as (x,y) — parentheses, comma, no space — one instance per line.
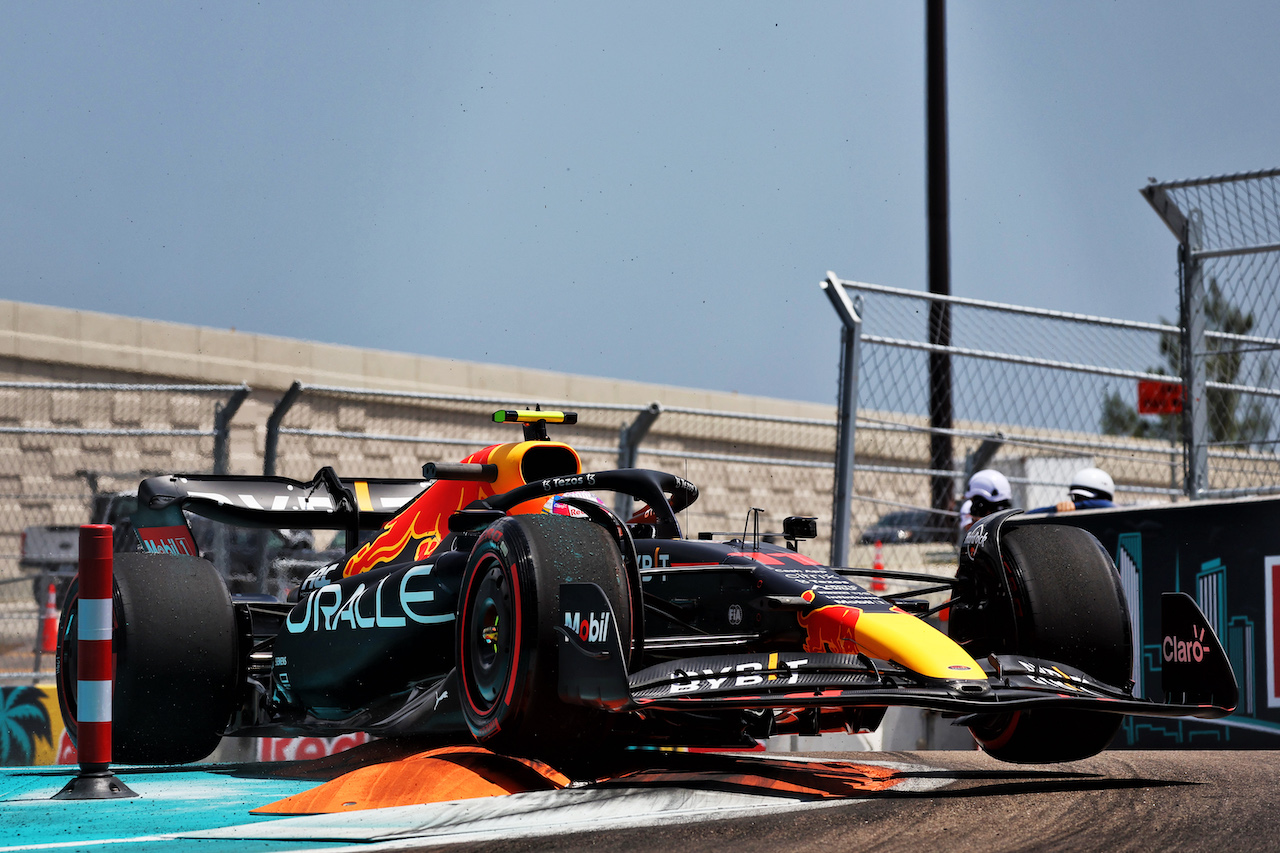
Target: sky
(647,192)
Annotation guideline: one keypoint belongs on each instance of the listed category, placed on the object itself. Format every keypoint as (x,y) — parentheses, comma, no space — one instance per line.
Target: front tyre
(507,642)
(1064,604)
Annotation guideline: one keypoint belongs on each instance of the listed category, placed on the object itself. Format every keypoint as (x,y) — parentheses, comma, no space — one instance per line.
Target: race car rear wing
(327,502)
(1196,675)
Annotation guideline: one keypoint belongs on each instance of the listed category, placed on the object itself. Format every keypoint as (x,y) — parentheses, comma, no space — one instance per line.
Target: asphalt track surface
(1220,801)
(908,801)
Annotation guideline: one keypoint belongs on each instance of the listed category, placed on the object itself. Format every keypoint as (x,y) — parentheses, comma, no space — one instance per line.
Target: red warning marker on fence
(49,622)
(877,582)
(1160,398)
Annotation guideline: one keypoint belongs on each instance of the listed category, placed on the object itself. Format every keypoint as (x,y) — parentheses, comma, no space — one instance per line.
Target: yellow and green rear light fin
(529,416)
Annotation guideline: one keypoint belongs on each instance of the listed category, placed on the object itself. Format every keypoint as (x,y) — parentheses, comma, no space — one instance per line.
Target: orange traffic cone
(49,622)
(877,582)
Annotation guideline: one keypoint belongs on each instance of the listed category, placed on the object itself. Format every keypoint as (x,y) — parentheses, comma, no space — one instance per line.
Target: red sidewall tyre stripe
(497,710)
(1005,735)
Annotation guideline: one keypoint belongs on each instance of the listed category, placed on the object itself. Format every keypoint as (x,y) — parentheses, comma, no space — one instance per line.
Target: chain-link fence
(1036,394)
(1168,408)
(780,464)
(392,433)
(1228,230)
(72,454)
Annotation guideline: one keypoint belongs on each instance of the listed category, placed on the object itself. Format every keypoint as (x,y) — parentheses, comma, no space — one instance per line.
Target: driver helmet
(988,492)
(558,506)
(1091,483)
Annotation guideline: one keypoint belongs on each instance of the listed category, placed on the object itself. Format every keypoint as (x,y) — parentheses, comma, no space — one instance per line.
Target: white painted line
(83,843)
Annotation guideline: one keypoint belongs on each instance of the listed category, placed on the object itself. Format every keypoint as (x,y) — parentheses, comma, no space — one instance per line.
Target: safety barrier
(73,452)
(1037,394)
(738,459)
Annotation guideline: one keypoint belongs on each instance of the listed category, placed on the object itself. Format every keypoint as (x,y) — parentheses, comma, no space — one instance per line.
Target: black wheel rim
(490,641)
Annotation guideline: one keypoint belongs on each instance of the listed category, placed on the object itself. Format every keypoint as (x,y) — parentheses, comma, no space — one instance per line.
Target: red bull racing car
(492,600)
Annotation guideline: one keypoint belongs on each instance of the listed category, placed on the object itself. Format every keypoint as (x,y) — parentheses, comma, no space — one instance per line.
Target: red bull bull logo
(831,629)
(421,522)
(416,532)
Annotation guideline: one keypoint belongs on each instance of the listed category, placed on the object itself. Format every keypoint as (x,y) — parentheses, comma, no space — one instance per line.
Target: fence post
(629,438)
(94,682)
(847,404)
(273,427)
(1194,354)
(222,415)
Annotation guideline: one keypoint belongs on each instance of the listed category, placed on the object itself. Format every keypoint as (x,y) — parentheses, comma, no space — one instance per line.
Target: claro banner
(1226,555)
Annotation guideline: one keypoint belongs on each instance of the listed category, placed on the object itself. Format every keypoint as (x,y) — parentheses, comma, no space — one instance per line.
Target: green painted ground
(171,800)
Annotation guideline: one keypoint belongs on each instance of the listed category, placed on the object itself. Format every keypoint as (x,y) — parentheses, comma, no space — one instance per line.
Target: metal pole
(273,427)
(1194,353)
(941,489)
(222,415)
(629,438)
(847,404)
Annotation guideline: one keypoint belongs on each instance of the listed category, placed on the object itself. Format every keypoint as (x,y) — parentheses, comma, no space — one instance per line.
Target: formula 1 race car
(501,601)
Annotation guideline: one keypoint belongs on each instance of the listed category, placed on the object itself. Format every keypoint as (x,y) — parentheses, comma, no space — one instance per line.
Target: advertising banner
(1225,555)
(32,732)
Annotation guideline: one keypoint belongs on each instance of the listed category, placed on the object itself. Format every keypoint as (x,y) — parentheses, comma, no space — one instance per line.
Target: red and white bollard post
(94,672)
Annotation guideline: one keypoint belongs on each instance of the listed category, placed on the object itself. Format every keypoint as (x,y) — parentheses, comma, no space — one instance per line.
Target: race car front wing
(1196,675)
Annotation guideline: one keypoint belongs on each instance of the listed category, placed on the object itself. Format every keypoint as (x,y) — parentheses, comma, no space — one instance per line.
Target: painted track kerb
(214,807)
(539,814)
(533,815)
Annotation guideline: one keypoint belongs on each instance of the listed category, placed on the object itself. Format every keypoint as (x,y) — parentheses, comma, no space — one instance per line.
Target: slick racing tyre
(175,651)
(508,643)
(1067,606)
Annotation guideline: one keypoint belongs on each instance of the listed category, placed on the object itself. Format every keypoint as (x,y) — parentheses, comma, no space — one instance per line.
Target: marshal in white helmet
(1091,488)
(988,492)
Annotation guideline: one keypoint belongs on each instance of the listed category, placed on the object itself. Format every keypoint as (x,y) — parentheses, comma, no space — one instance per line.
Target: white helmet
(990,485)
(1091,483)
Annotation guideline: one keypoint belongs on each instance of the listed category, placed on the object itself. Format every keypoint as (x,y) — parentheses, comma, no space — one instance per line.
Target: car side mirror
(800,527)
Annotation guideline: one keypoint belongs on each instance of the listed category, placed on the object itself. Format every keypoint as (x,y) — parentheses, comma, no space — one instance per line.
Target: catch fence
(739,460)
(73,453)
(1170,408)
(1034,395)
(1228,232)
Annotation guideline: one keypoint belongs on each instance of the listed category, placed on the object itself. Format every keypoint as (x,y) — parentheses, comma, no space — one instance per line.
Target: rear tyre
(1067,606)
(508,644)
(175,650)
